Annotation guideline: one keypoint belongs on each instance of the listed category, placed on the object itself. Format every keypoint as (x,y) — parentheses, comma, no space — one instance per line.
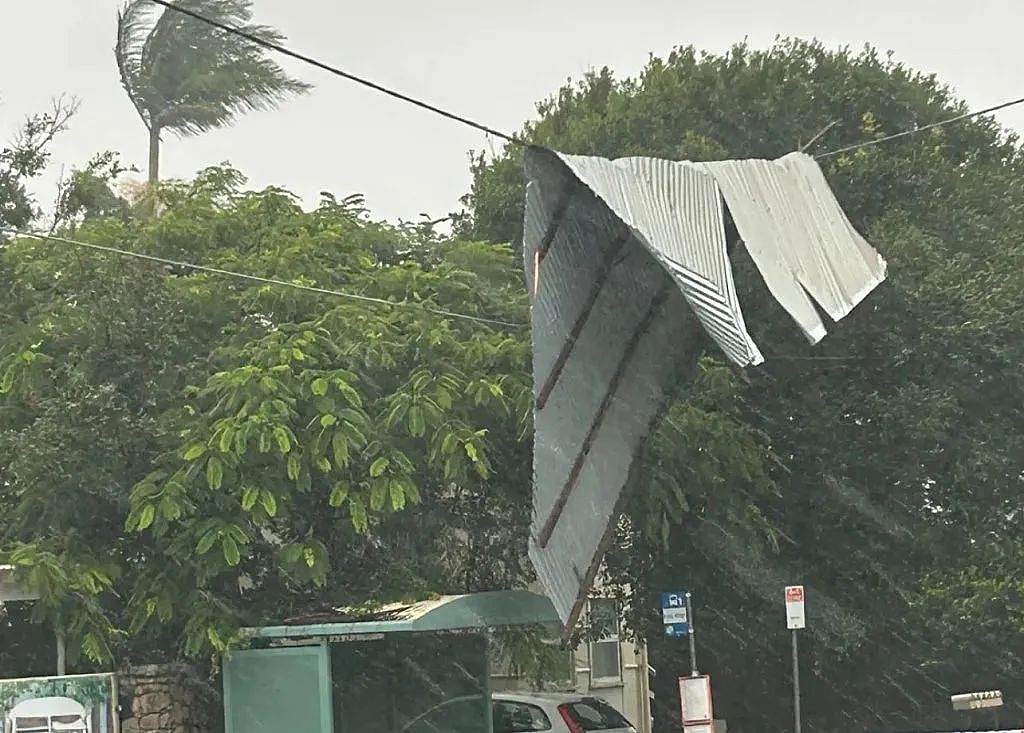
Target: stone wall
(167,698)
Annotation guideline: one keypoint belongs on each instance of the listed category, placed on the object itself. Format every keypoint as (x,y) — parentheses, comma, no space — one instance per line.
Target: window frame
(614,637)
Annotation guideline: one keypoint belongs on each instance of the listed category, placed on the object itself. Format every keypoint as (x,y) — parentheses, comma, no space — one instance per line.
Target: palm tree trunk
(154,155)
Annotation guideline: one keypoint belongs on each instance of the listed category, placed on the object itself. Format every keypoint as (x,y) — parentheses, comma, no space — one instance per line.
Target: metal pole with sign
(693,634)
(796,619)
(677,615)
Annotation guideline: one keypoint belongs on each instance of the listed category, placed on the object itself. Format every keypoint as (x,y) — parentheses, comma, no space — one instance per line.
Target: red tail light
(570,720)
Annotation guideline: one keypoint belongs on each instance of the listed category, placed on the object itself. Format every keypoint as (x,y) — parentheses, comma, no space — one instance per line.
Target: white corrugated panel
(799,238)
(676,212)
(622,255)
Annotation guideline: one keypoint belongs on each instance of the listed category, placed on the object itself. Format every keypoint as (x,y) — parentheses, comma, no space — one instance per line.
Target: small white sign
(695,700)
(674,615)
(795,615)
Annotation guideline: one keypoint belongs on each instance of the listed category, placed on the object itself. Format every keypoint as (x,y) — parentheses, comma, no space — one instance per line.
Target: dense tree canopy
(255,441)
(881,468)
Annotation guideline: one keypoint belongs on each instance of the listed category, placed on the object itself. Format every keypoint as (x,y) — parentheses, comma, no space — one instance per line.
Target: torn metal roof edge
(485,610)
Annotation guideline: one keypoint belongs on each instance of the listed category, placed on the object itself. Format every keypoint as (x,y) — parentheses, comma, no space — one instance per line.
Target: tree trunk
(154,156)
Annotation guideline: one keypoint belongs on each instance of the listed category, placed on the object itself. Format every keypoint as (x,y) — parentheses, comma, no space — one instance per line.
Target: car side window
(518,717)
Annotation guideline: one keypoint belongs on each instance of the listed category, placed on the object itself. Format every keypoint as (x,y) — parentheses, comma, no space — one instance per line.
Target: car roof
(555,697)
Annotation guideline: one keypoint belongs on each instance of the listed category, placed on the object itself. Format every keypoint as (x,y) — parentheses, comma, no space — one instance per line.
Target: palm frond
(190,77)
(134,23)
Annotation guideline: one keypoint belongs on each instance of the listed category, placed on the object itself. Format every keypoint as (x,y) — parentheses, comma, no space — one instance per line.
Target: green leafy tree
(188,77)
(25,157)
(880,468)
(181,453)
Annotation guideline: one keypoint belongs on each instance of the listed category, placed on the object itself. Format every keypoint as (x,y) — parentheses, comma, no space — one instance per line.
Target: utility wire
(241,33)
(265,280)
(914,131)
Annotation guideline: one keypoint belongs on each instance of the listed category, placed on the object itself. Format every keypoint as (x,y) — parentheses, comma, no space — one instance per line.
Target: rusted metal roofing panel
(614,252)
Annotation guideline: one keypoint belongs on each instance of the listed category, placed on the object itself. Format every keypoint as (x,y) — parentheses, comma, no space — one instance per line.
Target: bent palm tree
(188,77)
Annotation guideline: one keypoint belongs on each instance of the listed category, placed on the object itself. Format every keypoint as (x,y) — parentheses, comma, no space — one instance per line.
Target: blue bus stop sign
(674,614)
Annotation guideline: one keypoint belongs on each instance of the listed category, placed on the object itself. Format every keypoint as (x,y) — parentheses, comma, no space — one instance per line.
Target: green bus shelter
(402,668)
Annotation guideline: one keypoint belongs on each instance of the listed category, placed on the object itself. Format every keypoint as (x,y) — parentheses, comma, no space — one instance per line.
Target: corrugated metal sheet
(650,197)
(798,236)
(614,251)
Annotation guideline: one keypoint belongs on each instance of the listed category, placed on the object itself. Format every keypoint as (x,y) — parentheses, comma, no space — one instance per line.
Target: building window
(605,650)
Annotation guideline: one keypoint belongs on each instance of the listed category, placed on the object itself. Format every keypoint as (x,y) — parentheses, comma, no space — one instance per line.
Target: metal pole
(796,683)
(61,655)
(693,643)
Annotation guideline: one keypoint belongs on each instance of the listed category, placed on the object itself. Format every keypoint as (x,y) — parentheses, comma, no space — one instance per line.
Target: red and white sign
(695,701)
(795,616)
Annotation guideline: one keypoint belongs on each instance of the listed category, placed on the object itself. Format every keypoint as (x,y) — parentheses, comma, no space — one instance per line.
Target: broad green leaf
(378,493)
(294,467)
(417,426)
(146,517)
(8,381)
(397,495)
(284,442)
(349,393)
(170,509)
(319,386)
(195,452)
(231,553)
(379,466)
(227,436)
(358,511)
(339,444)
(412,492)
(328,421)
(214,473)
(338,495)
(206,542)
(269,502)
(249,497)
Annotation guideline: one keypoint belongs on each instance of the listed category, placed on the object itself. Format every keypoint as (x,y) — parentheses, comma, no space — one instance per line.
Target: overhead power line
(264,280)
(914,131)
(241,33)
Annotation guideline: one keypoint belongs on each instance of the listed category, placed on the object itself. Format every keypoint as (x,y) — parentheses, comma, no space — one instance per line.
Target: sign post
(677,615)
(693,641)
(796,619)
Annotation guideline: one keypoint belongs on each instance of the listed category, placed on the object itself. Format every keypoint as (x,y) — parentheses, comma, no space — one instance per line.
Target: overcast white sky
(488,60)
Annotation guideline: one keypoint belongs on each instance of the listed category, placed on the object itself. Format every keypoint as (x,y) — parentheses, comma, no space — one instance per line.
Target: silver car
(557,713)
